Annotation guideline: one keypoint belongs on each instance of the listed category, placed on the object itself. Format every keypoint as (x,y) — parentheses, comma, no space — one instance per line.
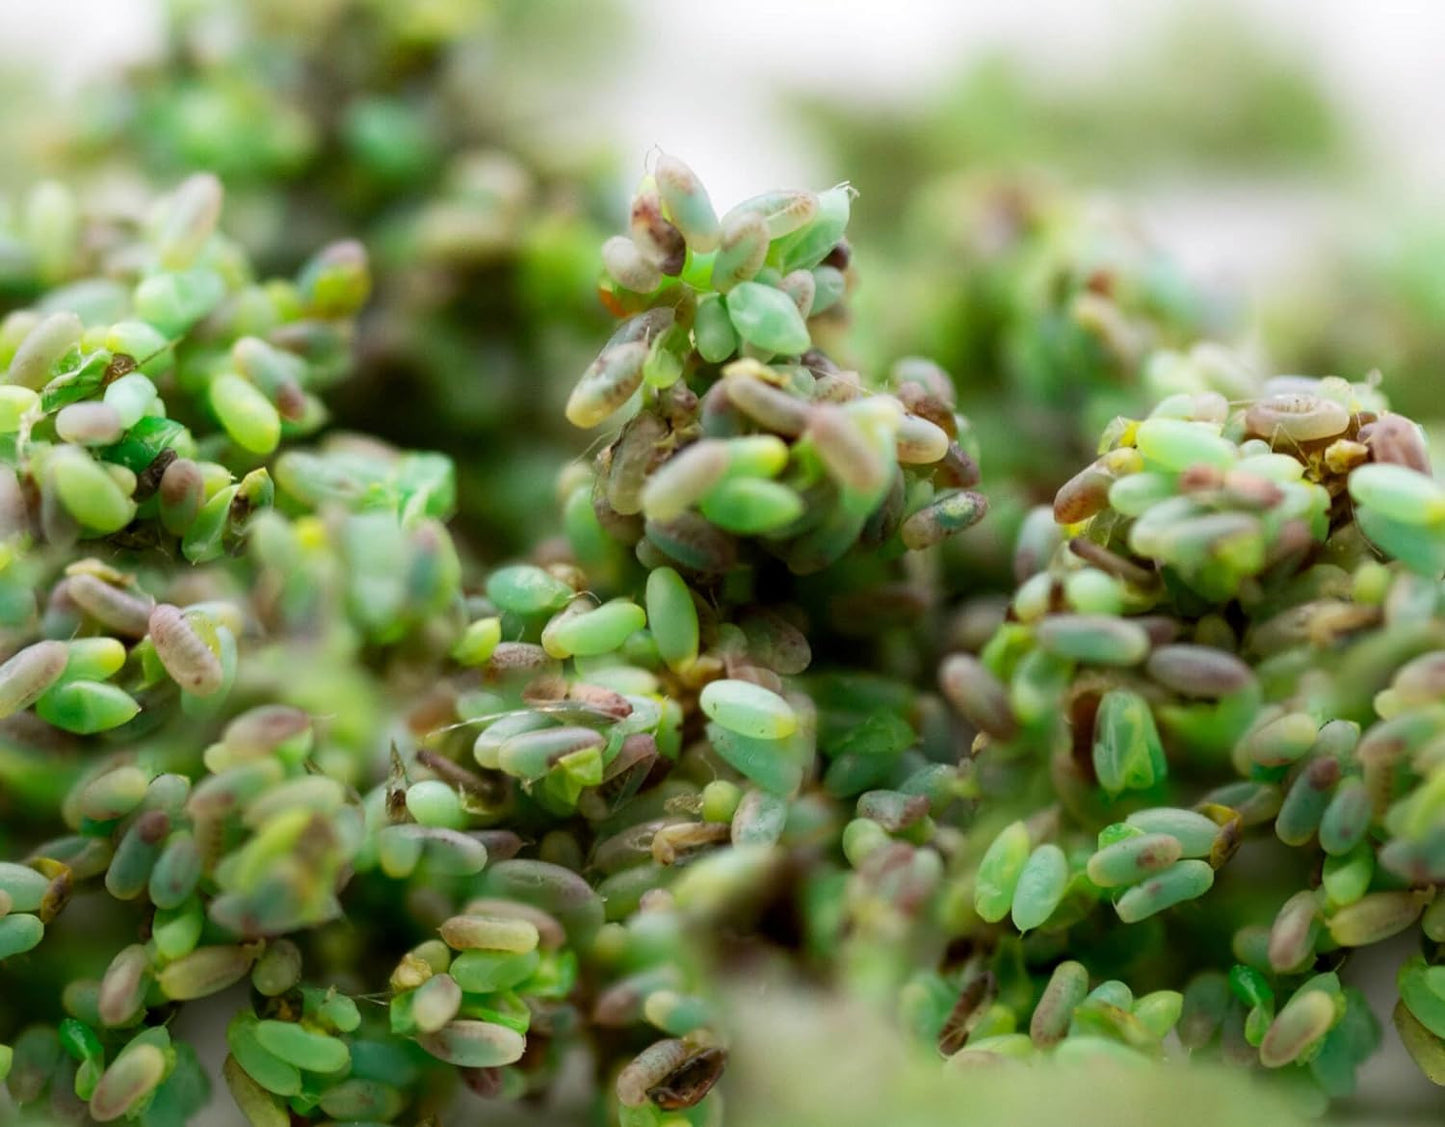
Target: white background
(701,77)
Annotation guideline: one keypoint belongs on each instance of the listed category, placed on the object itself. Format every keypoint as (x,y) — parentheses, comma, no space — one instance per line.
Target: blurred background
(1270,94)
(1266,174)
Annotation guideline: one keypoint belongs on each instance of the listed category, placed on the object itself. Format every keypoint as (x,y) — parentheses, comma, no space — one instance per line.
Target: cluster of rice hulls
(1046,308)
(1205,759)
(738,667)
(271,753)
(210,643)
(264,734)
(399,124)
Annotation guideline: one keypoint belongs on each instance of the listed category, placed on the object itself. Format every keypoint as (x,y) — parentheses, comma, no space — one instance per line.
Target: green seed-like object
(306,1049)
(246,414)
(1195,832)
(1184,880)
(19,932)
(125,1084)
(672,617)
(524,589)
(1131,860)
(1127,751)
(595,631)
(1040,887)
(999,871)
(767,318)
(748,710)
(474,1044)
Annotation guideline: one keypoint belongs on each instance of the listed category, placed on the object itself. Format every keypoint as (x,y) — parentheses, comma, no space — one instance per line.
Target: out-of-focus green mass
(1370,304)
(1203,89)
(425,128)
(801,1035)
